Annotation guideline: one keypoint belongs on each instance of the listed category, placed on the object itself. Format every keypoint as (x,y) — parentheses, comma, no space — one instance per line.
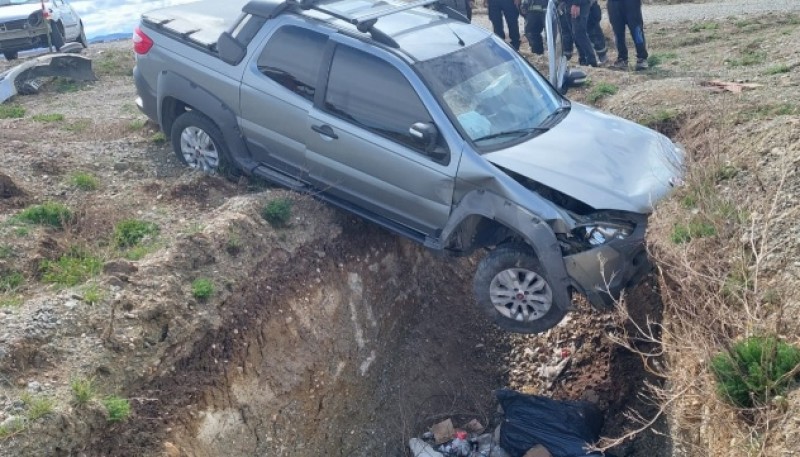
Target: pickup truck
(413,118)
(31,24)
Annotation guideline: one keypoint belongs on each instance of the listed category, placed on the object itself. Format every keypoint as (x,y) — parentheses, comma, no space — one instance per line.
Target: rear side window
(292,58)
(374,95)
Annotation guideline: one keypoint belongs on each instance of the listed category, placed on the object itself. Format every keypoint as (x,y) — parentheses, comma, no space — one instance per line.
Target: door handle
(325,130)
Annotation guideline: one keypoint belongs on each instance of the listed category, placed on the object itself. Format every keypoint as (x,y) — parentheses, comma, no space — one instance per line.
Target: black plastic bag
(565,428)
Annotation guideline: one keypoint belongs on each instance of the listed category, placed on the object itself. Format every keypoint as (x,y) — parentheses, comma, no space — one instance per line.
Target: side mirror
(428,135)
(230,50)
(574,78)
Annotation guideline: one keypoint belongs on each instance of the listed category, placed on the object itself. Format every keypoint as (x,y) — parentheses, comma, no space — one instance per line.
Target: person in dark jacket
(509,9)
(595,32)
(622,13)
(534,13)
(579,12)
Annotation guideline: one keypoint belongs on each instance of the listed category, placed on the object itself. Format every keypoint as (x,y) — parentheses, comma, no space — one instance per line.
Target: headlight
(602,233)
(35,19)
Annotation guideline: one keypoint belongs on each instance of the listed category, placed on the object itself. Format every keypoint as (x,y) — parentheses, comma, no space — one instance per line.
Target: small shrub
(84,181)
(48,118)
(21,232)
(601,90)
(10,302)
(202,288)
(82,391)
(754,370)
(131,232)
(234,244)
(93,294)
(278,212)
(11,112)
(748,58)
(10,281)
(778,69)
(118,408)
(38,406)
(158,138)
(137,124)
(658,58)
(138,252)
(65,85)
(726,172)
(50,213)
(11,427)
(683,233)
(6,251)
(71,268)
(706,25)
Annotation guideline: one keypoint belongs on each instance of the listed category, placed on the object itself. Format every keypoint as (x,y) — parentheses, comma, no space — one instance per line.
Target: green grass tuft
(683,233)
(48,118)
(118,408)
(131,232)
(38,406)
(11,112)
(83,391)
(10,281)
(84,181)
(158,138)
(93,294)
(754,370)
(71,269)
(278,212)
(778,69)
(50,213)
(600,91)
(202,288)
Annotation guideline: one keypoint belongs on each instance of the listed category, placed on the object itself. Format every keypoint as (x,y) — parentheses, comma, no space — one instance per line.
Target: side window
(374,95)
(292,58)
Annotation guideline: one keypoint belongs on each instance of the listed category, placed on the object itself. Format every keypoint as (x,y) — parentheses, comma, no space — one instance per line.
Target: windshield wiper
(517,132)
(555,117)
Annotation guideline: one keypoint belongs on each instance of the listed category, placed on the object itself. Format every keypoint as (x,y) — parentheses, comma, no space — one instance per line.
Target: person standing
(595,32)
(622,13)
(509,9)
(534,13)
(579,12)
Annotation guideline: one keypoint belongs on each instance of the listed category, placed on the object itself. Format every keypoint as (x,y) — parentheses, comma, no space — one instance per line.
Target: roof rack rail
(365,22)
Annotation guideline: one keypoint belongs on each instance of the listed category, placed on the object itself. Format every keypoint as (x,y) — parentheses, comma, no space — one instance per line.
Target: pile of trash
(532,426)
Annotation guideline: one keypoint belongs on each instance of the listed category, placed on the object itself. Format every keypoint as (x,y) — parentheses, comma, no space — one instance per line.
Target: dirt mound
(8,189)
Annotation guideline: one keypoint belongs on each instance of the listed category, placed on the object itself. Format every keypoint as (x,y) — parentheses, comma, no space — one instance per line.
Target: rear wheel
(199,144)
(513,289)
(56,36)
(10,55)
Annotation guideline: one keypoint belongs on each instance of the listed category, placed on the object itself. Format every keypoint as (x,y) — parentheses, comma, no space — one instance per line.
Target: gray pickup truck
(411,117)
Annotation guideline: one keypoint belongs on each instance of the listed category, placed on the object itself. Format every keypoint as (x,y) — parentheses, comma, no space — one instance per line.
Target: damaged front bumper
(22,39)
(603,272)
(77,68)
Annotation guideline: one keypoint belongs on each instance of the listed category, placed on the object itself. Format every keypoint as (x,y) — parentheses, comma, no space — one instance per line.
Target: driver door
(558,67)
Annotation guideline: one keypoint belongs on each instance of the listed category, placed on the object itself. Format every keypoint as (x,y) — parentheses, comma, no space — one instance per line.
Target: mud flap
(77,68)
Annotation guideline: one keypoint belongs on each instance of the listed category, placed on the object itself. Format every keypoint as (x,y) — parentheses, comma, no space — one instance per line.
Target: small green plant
(601,90)
(158,138)
(10,302)
(71,269)
(11,427)
(10,281)
(50,213)
(6,251)
(38,406)
(131,232)
(726,172)
(84,181)
(754,370)
(202,288)
(114,63)
(21,232)
(48,118)
(689,201)
(778,69)
(82,391)
(65,85)
(77,126)
(93,294)
(658,58)
(234,244)
(683,233)
(705,25)
(748,58)
(278,212)
(11,112)
(137,124)
(139,252)
(118,408)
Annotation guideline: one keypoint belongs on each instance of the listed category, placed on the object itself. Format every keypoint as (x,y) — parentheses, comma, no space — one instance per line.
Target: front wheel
(198,143)
(513,289)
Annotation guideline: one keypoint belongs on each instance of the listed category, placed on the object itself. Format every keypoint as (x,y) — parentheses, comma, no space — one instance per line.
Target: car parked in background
(31,24)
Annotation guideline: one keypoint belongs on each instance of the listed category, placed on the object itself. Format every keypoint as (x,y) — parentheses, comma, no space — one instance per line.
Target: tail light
(141,42)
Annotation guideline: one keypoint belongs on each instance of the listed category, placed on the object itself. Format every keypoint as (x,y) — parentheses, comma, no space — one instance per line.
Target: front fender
(532,229)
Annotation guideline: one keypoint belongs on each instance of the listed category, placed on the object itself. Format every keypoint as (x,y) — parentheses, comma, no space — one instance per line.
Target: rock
(120,267)
(171,450)
(34,387)
(538,451)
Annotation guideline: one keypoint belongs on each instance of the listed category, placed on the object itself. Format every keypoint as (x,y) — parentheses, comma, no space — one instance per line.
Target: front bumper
(18,40)
(603,272)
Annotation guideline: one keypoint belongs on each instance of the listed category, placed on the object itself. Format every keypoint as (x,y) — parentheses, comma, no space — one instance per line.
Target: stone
(171,450)
(119,267)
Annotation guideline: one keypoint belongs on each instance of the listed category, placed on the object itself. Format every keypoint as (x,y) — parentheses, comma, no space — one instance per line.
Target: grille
(19,24)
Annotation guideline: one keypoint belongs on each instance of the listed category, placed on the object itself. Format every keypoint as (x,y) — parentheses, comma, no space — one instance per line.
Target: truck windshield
(491,93)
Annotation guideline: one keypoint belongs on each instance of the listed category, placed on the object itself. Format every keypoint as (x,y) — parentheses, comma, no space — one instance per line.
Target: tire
(199,144)
(512,288)
(56,36)
(10,55)
(82,38)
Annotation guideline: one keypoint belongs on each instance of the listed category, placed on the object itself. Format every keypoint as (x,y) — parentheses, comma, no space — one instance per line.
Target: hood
(14,12)
(602,160)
